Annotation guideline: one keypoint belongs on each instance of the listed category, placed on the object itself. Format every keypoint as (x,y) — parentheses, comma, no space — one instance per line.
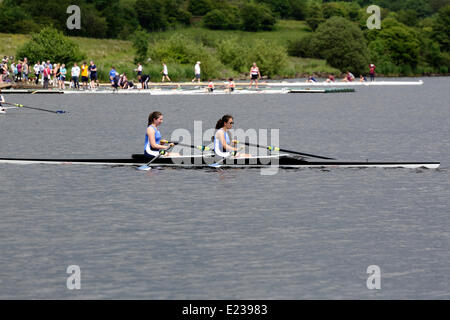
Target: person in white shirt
(139,70)
(197,72)
(76,76)
(36,69)
(165,73)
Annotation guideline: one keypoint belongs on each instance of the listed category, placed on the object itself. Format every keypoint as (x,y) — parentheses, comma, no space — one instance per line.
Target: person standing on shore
(36,71)
(197,72)
(372,72)
(93,70)
(165,73)
(254,75)
(84,75)
(62,76)
(46,76)
(25,69)
(56,75)
(75,73)
(139,71)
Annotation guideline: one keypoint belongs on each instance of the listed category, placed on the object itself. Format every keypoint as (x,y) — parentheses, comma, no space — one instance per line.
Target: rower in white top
(222,141)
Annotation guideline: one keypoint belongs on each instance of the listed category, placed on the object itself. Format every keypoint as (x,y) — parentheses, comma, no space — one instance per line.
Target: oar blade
(144,168)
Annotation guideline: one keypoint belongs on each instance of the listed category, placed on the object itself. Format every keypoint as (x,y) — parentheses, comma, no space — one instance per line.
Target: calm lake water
(229,234)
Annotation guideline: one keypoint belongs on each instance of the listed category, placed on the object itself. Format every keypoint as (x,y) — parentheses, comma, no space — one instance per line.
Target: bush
(302,48)
(216,19)
(232,53)
(313,22)
(50,44)
(140,43)
(200,7)
(257,17)
(180,50)
(342,44)
(151,14)
(271,58)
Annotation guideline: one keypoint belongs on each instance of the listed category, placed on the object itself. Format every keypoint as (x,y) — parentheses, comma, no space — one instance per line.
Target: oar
(201,148)
(34,108)
(271,148)
(147,167)
(218,164)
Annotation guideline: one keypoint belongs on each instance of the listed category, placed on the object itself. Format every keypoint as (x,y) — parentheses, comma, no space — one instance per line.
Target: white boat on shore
(343,83)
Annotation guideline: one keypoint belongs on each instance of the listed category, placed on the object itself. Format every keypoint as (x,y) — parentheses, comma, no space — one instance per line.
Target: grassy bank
(120,54)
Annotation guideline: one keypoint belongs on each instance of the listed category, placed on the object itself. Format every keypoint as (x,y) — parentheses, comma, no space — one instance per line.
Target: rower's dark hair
(152,116)
(222,121)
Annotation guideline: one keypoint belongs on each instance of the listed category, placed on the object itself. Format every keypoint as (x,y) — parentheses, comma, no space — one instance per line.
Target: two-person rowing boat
(157,152)
(224,154)
(223,145)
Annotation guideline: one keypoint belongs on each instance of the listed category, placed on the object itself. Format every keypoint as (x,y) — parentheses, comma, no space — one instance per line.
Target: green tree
(200,7)
(441,29)
(257,17)
(298,9)
(50,44)
(140,43)
(233,52)
(271,58)
(342,44)
(216,19)
(151,14)
(401,43)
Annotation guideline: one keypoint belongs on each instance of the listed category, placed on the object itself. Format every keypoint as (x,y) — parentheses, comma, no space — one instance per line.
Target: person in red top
(372,72)
(254,75)
(46,75)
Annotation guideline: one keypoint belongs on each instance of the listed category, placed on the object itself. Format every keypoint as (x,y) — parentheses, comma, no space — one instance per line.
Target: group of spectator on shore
(48,74)
(56,74)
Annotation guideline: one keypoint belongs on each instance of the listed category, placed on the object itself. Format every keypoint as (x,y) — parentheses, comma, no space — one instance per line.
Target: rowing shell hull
(201,162)
(355,83)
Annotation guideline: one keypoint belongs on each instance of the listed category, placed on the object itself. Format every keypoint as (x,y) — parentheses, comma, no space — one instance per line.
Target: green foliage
(140,43)
(216,20)
(181,50)
(302,48)
(314,22)
(280,7)
(441,29)
(50,44)
(271,58)
(200,7)
(15,20)
(400,43)
(150,14)
(232,52)
(408,17)
(257,17)
(298,9)
(342,44)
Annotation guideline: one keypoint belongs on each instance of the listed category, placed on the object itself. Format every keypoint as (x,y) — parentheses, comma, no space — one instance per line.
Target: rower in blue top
(153,143)
(222,142)
(154,146)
